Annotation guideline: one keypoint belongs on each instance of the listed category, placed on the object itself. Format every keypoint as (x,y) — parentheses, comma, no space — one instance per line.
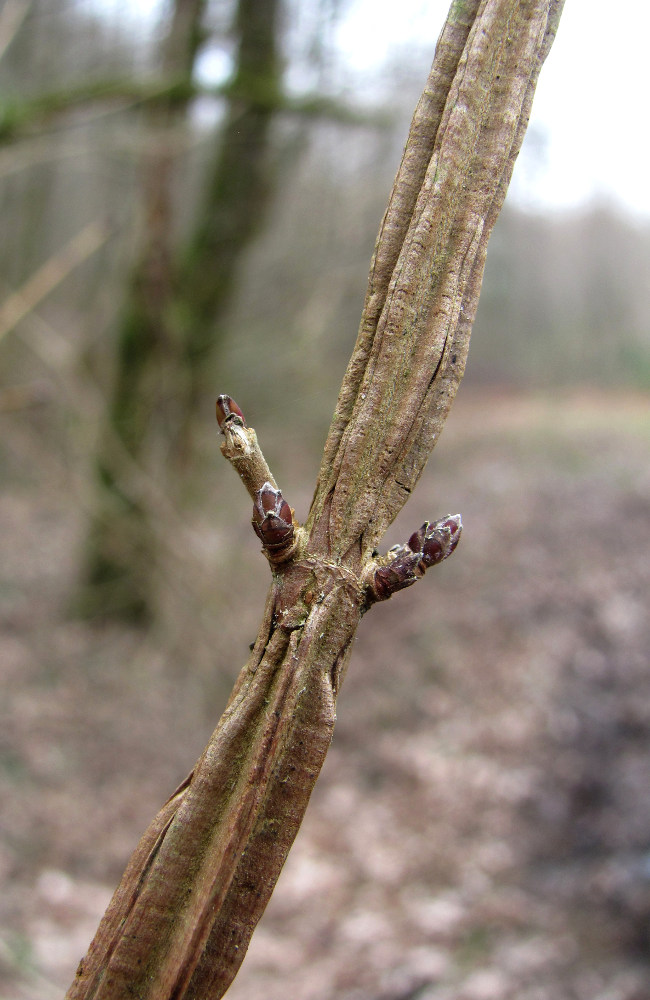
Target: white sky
(591,101)
(589,115)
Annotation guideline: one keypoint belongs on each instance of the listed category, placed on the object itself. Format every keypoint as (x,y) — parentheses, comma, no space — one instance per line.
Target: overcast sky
(591,105)
(592,101)
(590,112)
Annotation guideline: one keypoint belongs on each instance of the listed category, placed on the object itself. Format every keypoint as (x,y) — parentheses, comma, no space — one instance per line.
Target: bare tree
(181,919)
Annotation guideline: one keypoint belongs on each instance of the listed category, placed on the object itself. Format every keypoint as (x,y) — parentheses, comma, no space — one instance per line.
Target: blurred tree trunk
(170,323)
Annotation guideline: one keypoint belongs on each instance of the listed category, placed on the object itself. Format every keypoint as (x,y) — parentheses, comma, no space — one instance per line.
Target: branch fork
(275,525)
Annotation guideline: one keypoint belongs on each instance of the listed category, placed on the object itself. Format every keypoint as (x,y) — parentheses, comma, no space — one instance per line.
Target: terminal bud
(227,407)
(435,542)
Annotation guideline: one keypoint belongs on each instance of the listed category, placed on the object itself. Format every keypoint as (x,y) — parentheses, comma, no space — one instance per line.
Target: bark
(181,919)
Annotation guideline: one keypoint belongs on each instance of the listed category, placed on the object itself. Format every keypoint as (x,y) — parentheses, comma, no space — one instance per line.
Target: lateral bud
(400,572)
(435,542)
(404,564)
(227,407)
(273,521)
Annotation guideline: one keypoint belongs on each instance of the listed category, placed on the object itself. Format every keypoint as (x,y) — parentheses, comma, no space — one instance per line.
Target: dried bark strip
(181,919)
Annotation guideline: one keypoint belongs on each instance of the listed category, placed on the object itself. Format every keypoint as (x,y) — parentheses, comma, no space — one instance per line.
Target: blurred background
(190,193)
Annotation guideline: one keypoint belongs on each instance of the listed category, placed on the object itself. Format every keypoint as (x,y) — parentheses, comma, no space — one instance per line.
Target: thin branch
(23,300)
(21,116)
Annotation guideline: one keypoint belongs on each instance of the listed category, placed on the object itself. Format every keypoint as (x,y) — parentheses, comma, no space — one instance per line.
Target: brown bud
(404,564)
(397,576)
(435,542)
(272,519)
(455,525)
(416,541)
(227,407)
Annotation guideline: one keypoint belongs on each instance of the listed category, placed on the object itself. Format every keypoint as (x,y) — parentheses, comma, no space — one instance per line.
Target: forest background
(211,175)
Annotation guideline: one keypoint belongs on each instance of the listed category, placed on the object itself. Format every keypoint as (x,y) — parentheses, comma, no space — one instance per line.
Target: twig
(181,919)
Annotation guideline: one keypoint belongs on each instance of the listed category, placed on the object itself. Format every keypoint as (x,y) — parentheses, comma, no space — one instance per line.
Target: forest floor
(481,828)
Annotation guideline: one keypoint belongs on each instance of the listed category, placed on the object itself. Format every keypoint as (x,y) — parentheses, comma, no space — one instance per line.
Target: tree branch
(181,919)
(428,264)
(20,117)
